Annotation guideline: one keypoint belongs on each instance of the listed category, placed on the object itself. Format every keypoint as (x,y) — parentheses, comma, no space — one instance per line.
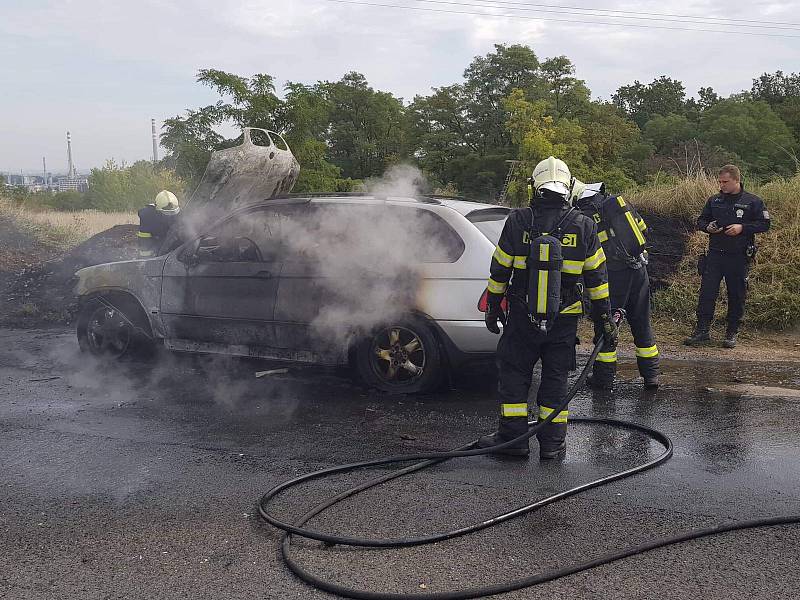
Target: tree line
(510,105)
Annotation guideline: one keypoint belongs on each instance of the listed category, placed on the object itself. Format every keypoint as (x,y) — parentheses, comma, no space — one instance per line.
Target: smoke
(366,256)
(404,181)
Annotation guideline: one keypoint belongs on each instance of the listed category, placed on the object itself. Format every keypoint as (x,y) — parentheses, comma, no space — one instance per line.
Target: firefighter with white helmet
(622,232)
(547,252)
(155,220)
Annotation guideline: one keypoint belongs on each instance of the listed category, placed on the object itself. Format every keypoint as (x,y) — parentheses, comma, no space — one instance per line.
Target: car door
(354,263)
(221,287)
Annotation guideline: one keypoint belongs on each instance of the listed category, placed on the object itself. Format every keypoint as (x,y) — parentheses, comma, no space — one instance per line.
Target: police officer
(731,219)
(522,271)
(621,231)
(155,220)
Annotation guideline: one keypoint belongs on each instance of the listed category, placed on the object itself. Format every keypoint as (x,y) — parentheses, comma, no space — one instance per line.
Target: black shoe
(698,338)
(487,441)
(593,383)
(651,383)
(551,452)
(730,340)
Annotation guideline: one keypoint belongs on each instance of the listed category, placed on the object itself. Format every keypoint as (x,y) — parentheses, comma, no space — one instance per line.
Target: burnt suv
(388,285)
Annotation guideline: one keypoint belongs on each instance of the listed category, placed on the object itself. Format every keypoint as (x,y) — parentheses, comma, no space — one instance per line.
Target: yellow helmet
(167,202)
(552,174)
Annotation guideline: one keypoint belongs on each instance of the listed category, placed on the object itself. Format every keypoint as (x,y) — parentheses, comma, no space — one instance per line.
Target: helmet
(167,202)
(592,189)
(578,190)
(552,174)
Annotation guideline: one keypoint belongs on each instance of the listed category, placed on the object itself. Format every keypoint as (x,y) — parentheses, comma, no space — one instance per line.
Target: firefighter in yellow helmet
(155,220)
(547,252)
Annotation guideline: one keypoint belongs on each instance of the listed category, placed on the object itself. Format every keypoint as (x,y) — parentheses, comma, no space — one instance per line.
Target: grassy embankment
(774,297)
(61,229)
(773,301)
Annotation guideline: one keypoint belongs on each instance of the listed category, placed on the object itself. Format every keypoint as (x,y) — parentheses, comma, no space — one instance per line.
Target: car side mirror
(200,249)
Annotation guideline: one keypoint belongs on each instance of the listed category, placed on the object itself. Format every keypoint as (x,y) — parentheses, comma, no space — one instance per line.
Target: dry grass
(680,198)
(64,229)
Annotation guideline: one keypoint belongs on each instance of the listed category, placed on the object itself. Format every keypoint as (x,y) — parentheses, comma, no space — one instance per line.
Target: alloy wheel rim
(398,355)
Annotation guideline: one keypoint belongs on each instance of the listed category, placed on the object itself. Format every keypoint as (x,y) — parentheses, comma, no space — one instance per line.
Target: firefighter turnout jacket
(153,228)
(743,208)
(583,258)
(620,229)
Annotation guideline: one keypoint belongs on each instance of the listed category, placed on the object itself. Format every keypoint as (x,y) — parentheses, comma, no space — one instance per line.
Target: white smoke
(368,259)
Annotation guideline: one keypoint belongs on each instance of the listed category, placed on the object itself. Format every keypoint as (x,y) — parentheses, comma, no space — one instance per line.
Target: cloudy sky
(103,68)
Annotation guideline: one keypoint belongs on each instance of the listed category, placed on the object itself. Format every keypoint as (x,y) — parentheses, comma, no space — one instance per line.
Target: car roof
(460,205)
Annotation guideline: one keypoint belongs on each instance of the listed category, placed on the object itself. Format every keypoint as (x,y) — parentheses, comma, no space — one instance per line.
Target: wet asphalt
(140,480)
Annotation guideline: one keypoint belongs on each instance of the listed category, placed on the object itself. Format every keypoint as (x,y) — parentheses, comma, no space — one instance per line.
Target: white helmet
(592,189)
(552,174)
(167,202)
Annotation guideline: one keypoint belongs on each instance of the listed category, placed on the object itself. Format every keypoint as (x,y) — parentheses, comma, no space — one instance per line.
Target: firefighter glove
(494,316)
(610,329)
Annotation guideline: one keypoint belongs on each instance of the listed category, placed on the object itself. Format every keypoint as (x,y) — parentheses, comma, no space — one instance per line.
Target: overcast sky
(103,68)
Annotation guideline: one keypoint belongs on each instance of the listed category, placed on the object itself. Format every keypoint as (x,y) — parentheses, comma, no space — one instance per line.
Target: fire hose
(432,458)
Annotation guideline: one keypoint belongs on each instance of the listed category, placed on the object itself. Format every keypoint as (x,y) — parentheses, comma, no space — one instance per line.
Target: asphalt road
(140,481)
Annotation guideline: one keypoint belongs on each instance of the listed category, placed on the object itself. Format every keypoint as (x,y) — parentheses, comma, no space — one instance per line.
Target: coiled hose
(432,458)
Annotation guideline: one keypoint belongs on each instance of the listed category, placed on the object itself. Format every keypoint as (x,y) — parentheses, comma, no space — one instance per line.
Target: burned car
(387,285)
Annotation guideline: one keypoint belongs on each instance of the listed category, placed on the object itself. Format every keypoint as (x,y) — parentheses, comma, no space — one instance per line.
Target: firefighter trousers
(521,346)
(629,289)
(734,268)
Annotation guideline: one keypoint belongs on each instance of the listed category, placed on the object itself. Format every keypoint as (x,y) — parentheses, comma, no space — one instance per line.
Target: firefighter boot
(730,338)
(700,335)
(552,441)
(510,428)
(651,382)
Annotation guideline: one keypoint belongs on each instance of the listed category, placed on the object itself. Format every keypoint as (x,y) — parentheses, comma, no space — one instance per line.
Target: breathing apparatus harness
(544,263)
(622,233)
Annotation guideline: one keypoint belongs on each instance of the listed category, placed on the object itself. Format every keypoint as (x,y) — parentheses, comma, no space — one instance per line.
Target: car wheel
(401,357)
(104,330)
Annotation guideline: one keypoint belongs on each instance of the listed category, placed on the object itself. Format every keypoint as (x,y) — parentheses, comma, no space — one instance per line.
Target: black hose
(431,458)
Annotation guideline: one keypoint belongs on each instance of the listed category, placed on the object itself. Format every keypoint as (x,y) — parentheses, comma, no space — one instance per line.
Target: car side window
(433,237)
(248,237)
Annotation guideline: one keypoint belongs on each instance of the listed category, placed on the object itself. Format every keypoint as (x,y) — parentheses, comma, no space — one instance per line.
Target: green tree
(666,132)
(641,102)
(366,127)
(121,187)
(567,95)
(458,133)
(754,132)
(782,93)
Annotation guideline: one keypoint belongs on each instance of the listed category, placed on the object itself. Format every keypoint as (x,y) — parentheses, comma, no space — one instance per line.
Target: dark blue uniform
(153,227)
(729,256)
(629,285)
(522,344)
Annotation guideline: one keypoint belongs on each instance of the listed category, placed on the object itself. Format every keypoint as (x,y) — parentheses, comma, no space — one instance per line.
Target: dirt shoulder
(753,346)
(37,277)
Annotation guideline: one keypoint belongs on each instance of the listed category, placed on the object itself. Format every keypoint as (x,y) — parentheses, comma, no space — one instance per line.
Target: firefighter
(621,231)
(731,219)
(544,252)
(155,220)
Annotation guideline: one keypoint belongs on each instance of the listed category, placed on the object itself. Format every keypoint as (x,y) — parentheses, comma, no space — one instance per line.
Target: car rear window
(489,222)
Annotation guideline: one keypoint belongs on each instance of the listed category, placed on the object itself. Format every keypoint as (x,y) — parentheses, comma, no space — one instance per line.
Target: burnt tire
(402,357)
(105,331)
